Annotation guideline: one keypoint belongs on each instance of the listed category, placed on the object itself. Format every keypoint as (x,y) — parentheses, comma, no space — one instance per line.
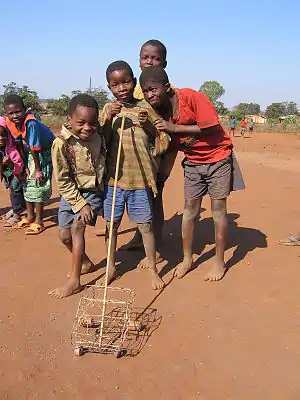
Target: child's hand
(38,176)
(86,214)
(143,117)
(113,109)
(165,126)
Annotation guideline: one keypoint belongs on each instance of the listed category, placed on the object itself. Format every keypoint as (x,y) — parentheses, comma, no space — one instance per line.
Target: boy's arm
(206,118)
(106,118)
(65,184)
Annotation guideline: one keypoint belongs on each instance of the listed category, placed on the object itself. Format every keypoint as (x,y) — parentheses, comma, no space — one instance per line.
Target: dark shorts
(216,179)
(138,204)
(232,128)
(251,129)
(66,216)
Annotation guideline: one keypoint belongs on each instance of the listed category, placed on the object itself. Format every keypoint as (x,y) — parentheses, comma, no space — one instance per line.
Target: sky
(250,47)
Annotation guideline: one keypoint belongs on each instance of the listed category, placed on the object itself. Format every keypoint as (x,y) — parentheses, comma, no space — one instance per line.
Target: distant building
(257,119)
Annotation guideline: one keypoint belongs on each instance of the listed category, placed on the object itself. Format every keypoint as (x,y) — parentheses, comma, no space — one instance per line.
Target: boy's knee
(145,227)
(65,236)
(218,208)
(191,209)
(78,226)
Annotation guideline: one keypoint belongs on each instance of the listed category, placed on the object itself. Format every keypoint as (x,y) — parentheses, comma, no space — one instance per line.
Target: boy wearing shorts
(78,155)
(154,53)
(209,165)
(243,126)
(136,184)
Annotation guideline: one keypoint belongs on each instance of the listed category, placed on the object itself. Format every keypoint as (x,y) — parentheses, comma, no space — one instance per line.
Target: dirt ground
(236,339)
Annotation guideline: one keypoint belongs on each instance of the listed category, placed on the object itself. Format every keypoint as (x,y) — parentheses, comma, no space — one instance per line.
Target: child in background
(209,166)
(37,187)
(251,126)
(232,124)
(11,172)
(78,162)
(243,126)
(154,53)
(137,178)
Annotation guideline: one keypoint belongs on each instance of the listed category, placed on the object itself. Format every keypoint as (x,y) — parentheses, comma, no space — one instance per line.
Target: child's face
(122,85)
(151,56)
(15,113)
(84,121)
(156,94)
(3,137)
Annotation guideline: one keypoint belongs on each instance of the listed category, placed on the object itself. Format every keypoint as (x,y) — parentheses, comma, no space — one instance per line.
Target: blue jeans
(138,204)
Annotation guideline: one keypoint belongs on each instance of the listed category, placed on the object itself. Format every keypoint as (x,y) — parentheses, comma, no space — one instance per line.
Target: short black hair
(155,75)
(118,66)
(157,43)
(83,100)
(13,99)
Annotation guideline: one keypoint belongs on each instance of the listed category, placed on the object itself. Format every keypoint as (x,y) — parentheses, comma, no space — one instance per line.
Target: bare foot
(216,273)
(112,275)
(157,282)
(87,267)
(144,264)
(183,268)
(134,244)
(71,287)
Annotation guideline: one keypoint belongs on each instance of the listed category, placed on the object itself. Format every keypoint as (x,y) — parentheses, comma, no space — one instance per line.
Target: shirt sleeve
(33,136)
(66,186)
(205,113)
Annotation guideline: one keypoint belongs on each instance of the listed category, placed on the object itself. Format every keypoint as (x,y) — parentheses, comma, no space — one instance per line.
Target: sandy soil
(236,339)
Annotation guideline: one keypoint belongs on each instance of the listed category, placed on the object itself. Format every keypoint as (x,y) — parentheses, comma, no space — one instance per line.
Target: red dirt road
(236,339)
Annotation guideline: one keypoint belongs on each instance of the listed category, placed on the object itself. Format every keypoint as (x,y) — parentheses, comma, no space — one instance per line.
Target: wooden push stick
(111,224)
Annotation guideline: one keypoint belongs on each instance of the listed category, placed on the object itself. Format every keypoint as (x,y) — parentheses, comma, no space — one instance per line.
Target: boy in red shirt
(209,165)
(243,126)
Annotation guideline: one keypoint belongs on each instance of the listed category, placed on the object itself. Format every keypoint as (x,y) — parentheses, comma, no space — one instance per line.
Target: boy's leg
(78,249)
(118,215)
(149,244)
(65,237)
(195,188)
(190,215)
(139,205)
(112,271)
(219,212)
(219,180)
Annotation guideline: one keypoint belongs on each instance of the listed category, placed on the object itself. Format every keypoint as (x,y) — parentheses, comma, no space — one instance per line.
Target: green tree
(30,97)
(248,108)
(213,90)
(291,108)
(59,106)
(276,110)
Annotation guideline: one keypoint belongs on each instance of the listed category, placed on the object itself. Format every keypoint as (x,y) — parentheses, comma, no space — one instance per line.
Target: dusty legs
(74,240)
(190,214)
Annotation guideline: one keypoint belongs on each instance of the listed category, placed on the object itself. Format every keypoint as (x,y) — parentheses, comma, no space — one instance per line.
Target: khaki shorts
(216,179)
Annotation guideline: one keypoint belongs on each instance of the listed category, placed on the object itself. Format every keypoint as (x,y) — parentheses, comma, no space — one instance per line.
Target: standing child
(243,126)
(37,188)
(191,120)
(232,124)
(78,163)
(251,126)
(154,53)
(11,172)
(138,168)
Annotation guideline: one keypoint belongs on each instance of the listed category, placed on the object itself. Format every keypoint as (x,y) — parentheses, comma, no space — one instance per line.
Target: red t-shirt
(243,124)
(194,108)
